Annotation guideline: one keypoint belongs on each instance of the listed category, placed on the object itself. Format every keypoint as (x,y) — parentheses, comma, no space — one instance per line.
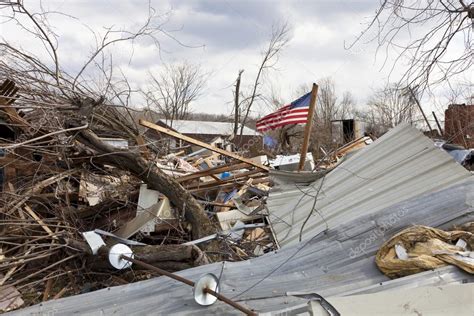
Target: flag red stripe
(281,119)
(284,112)
(281,123)
(283,116)
(263,129)
(284,121)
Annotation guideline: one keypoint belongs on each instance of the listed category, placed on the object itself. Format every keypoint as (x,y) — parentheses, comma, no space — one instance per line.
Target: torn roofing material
(340,262)
(400,165)
(337,263)
(282,178)
(430,300)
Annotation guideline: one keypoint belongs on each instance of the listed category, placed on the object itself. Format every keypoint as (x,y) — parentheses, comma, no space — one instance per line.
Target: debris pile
(73,166)
(343,216)
(79,176)
(419,248)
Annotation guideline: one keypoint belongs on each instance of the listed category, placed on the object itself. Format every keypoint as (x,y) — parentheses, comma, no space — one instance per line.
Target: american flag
(294,113)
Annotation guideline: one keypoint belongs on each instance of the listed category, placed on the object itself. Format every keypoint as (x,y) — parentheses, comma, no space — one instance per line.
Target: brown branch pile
(73,159)
(62,175)
(54,166)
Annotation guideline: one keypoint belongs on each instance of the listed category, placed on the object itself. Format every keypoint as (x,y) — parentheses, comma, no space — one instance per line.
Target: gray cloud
(228,35)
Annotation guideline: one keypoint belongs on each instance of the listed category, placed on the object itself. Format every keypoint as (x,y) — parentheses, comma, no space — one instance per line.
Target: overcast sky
(225,36)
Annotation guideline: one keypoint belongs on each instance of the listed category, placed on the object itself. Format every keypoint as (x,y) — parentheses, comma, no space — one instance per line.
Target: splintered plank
(256,180)
(193,141)
(226,180)
(40,221)
(212,171)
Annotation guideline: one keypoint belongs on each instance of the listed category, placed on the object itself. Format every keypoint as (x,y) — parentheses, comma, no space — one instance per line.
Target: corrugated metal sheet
(402,164)
(454,299)
(335,263)
(283,178)
(328,265)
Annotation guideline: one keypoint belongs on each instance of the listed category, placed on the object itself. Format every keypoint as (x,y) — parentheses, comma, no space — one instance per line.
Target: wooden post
(309,125)
(437,123)
(236,104)
(421,110)
(461,133)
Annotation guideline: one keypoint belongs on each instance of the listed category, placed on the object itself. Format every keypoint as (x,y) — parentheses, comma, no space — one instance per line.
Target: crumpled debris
(426,248)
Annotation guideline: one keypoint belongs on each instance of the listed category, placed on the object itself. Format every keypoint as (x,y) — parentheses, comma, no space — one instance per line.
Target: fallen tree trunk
(149,173)
(164,253)
(168,257)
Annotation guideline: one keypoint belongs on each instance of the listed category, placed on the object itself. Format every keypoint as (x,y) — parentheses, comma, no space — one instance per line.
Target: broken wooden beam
(193,141)
(261,179)
(225,180)
(212,171)
(40,222)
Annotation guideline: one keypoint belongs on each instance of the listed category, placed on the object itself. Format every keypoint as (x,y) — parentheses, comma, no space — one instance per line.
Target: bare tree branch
(429,54)
(279,39)
(174,89)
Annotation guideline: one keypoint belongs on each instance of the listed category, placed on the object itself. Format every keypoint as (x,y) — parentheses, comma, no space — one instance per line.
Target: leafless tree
(174,89)
(244,102)
(274,99)
(330,105)
(425,33)
(461,93)
(57,118)
(347,105)
(388,107)
(327,108)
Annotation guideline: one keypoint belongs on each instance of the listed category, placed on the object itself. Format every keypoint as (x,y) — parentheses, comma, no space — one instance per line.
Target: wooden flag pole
(309,125)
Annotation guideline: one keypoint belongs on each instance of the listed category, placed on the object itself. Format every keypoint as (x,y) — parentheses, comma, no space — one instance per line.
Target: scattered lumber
(78,165)
(202,144)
